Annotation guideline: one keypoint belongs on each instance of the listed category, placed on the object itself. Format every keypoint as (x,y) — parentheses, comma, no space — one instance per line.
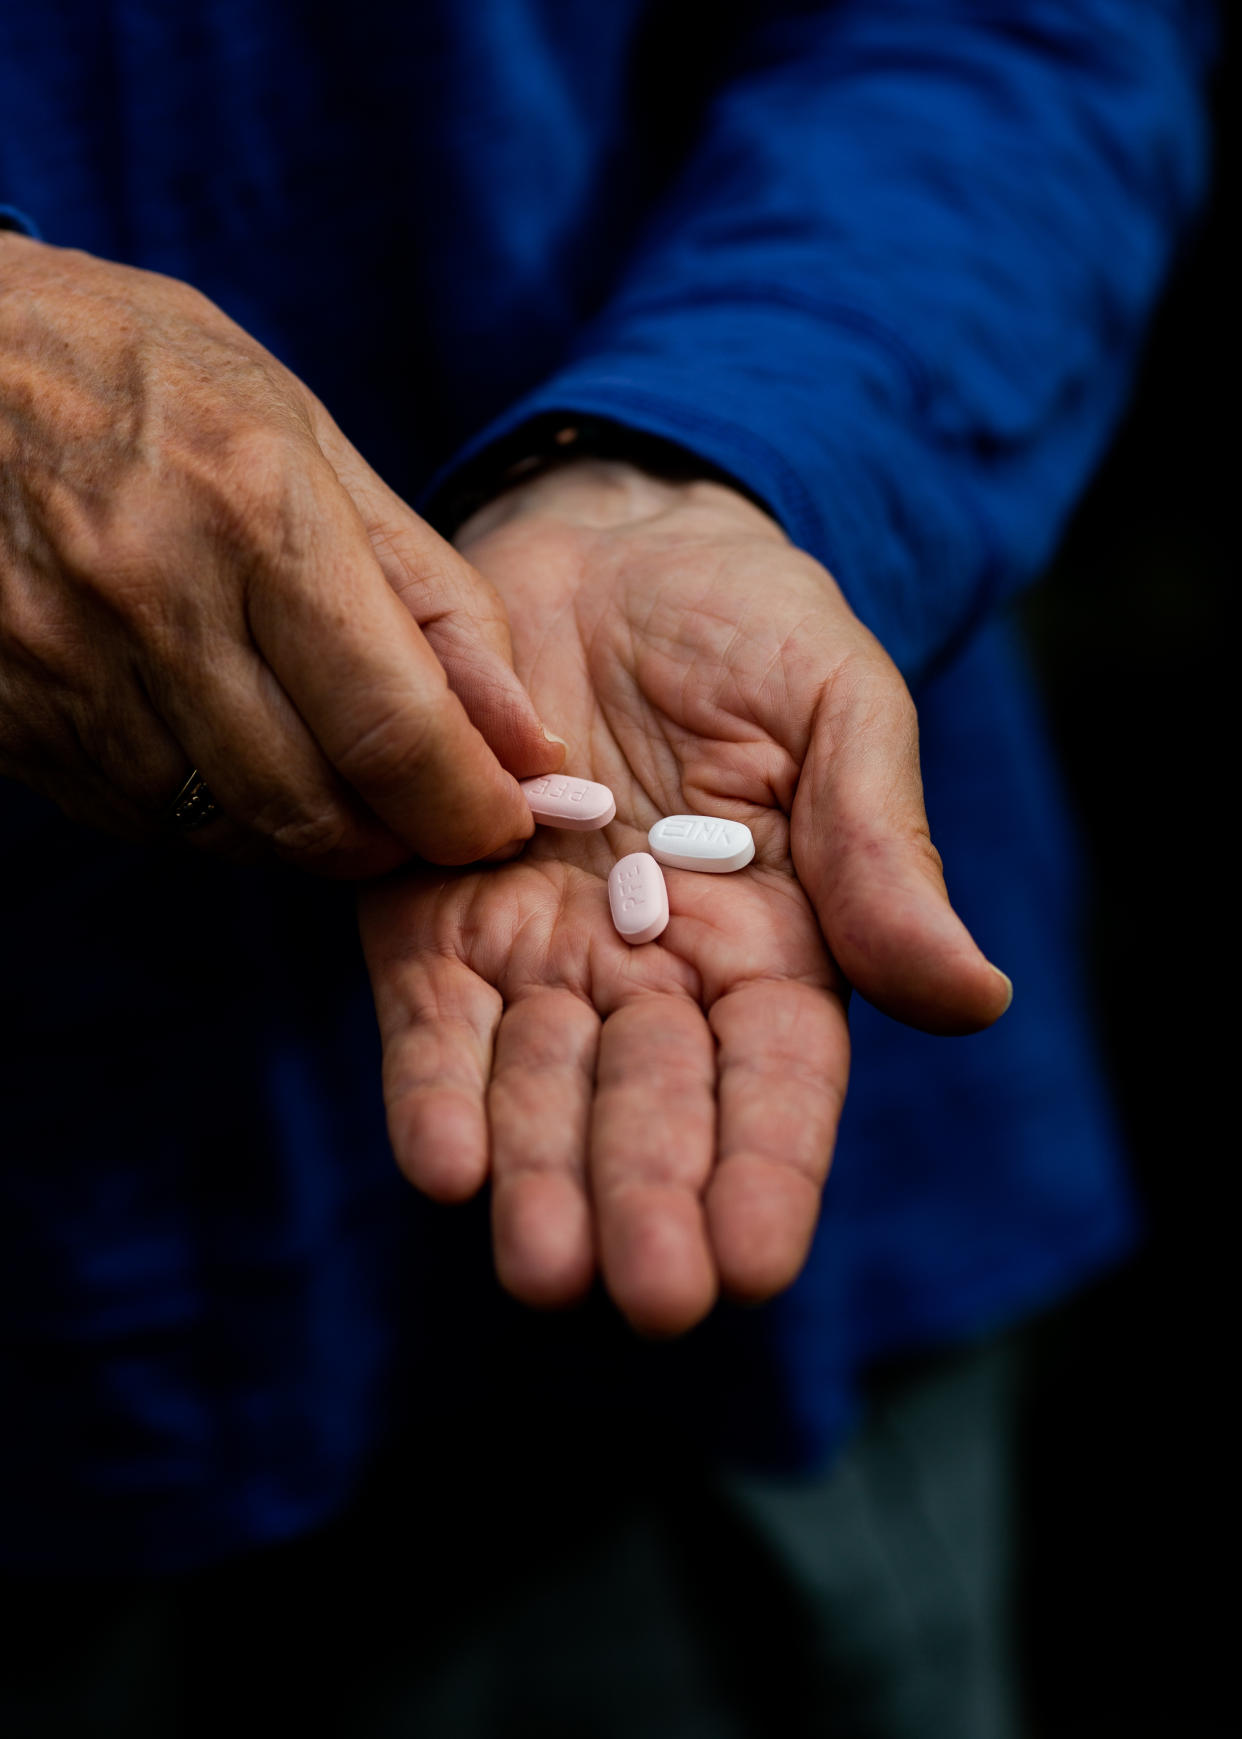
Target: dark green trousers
(571,1592)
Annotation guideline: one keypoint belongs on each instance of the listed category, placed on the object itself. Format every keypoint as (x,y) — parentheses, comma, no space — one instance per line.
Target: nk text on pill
(637,897)
(701,842)
(559,801)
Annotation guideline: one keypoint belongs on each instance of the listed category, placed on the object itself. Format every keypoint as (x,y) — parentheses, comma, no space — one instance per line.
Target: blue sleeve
(11,218)
(899,287)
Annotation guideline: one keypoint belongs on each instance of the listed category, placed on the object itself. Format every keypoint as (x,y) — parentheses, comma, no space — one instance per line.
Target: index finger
(369,687)
(458,610)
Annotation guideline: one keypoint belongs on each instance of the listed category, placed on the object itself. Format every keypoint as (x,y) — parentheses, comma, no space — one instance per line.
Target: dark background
(1129,1512)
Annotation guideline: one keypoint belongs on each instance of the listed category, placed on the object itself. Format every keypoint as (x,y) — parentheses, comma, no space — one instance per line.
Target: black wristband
(559,438)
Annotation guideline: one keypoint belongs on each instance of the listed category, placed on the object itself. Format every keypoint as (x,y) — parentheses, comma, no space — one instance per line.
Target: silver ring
(194,805)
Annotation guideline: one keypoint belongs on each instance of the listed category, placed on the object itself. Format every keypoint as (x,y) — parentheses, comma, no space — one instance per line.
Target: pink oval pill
(559,801)
(637,897)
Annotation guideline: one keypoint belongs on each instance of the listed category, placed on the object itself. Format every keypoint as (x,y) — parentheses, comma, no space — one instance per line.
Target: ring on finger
(194,805)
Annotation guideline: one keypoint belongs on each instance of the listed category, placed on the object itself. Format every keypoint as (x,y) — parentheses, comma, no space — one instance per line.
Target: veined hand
(667,1113)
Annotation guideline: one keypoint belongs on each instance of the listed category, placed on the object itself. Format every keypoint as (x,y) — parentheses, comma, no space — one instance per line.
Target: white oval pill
(701,842)
(559,801)
(637,897)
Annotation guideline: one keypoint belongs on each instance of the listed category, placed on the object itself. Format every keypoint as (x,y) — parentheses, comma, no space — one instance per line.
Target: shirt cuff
(526,443)
(11,218)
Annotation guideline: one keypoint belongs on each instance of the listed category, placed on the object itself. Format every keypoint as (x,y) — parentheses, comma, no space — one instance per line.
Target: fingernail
(553,738)
(1008,983)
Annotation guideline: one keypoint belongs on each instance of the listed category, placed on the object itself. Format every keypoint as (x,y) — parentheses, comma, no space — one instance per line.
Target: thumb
(459,612)
(863,851)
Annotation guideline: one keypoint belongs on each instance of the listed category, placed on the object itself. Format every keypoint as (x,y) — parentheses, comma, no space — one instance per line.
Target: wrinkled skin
(667,1113)
(198,569)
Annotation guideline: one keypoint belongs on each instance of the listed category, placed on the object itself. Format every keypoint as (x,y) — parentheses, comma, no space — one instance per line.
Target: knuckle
(352,851)
(308,835)
(413,569)
(111,556)
(432,579)
(388,754)
(433,583)
(225,485)
(255,496)
(398,764)
(254,458)
(243,497)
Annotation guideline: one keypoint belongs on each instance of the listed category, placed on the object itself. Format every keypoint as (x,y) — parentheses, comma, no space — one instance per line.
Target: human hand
(196,568)
(668,1112)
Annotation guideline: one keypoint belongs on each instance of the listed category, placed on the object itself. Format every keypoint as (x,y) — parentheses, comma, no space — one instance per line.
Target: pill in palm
(701,842)
(559,801)
(637,897)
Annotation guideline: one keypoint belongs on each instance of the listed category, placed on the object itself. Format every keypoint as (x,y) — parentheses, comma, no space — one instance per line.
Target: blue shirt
(885,262)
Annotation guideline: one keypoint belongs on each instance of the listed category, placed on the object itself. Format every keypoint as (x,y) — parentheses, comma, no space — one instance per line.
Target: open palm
(667,1112)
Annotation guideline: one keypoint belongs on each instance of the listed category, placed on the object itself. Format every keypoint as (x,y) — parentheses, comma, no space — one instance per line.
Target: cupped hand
(667,1112)
(197,569)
